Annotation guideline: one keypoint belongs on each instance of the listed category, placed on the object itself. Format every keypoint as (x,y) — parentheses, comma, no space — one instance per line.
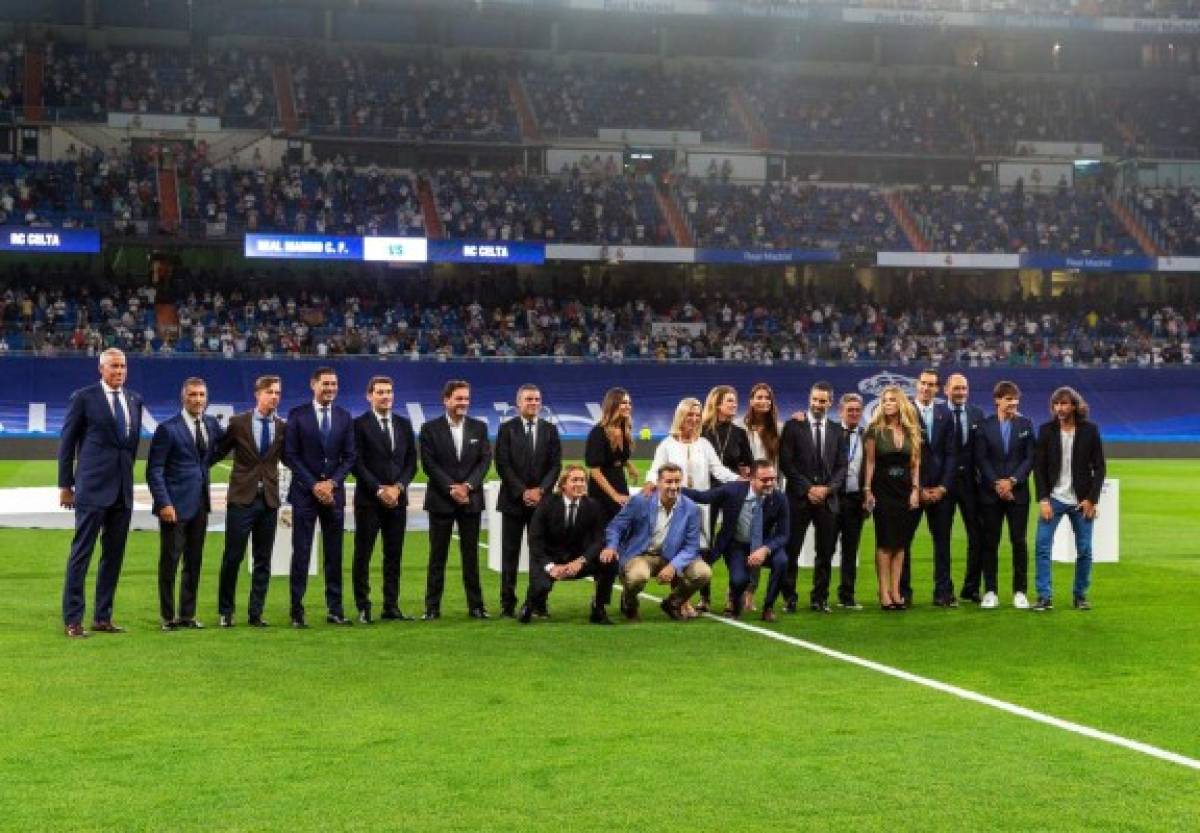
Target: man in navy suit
(754,531)
(1004,454)
(965,420)
(181,453)
(938,469)
(658,534)
(98,446)
(385,463)
(318,446)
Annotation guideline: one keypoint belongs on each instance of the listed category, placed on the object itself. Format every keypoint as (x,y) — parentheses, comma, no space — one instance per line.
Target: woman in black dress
(732,445)
(892,448)
(609,447)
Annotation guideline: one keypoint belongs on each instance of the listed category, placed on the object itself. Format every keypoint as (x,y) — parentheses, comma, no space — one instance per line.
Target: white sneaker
(990,601)
(1020,601)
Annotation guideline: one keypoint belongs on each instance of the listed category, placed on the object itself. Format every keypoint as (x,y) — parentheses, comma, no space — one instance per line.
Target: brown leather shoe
(671,608)
(768,615)
(76,632)
(107,627)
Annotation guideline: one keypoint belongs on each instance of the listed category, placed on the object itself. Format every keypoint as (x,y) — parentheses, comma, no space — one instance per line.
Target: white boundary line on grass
(955,691)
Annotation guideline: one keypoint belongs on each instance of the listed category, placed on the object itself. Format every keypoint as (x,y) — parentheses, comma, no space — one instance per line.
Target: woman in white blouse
(695,455)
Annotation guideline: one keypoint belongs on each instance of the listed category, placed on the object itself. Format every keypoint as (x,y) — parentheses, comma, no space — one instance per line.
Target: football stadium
(599,415)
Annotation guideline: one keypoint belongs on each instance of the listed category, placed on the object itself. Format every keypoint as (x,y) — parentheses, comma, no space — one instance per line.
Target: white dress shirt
(1064,490)
(190,422)
(456,434)
(385,425)
(662,522)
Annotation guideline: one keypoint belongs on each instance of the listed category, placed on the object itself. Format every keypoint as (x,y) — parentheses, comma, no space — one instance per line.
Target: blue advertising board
(1129,404)
(49,240)
(489,251)
(303,247)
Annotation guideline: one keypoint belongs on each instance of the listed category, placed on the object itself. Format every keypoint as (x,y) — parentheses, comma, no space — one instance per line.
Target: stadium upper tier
(361,94)
(120,196)
(248,314)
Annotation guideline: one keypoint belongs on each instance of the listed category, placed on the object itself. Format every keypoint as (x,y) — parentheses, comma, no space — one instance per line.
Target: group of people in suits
(765,486)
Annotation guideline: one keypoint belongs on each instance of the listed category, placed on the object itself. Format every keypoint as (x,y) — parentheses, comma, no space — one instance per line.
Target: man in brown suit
(256,440)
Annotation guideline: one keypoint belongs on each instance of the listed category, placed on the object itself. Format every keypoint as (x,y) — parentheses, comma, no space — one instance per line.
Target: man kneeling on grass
(658,534)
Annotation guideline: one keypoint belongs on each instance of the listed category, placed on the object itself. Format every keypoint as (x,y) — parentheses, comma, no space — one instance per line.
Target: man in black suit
(755,531)
(96,451)
(812,456)
(851,515)
(183,449)
(1004,450)
(318,446)
(566,535)
(528,460)
(455,454)
(938,469)
(1068,473)
(965,420)
(384,464)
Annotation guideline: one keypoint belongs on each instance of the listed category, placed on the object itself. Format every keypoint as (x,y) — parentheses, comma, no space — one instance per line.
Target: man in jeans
(1068,475)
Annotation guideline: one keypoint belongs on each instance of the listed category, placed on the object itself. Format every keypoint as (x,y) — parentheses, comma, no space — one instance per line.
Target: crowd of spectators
(1173,217)
(379,96)
(257,315)
(85,190)
(580,100)
(87,84)
(1040,8)
(793,214)
(1061,220)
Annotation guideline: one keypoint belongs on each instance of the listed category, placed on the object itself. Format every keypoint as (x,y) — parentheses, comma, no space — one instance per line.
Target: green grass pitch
(561,726)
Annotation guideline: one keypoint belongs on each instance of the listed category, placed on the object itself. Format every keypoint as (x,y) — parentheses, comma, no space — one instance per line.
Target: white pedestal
(495,525)
(1106,530)
(281,552)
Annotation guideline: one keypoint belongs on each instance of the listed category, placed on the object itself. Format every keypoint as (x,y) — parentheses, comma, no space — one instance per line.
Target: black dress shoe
(298,622)
(189,624)
(790,607)
(479,613)
(526,615)
(257,622)
(542,612)
(820,607)
(169,626)
(393,614)
(337,619)
(599,615)
(973,598)
(430,615)
(671,608)
(109,627)
(364,617)
(508,612)
(226,620)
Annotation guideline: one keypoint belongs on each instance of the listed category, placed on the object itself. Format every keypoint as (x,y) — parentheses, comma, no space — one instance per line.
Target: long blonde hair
(768,426)
(681,412)
(708,419)
(908,419)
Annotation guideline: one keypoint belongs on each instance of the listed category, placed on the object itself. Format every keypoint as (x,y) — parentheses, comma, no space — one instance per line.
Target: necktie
(201,443)
(958,427)
(264,438)
(820,447)
(529,436)
(756,525)
(927,413)
(571,516)
(387,433)
(1005,432)
(325,423)
(119,413)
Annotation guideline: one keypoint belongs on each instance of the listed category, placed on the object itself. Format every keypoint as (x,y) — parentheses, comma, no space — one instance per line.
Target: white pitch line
(955,691)
(967,694)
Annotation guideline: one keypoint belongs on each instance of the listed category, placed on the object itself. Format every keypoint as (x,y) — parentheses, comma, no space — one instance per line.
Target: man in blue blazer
(964,494)
(658,534)
(318,446)
(938,469)
(98,445)
(183,449)
(754,531)
(1004,454)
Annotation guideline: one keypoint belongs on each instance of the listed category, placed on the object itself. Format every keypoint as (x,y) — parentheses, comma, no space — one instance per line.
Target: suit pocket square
(474,440)
(1024,434)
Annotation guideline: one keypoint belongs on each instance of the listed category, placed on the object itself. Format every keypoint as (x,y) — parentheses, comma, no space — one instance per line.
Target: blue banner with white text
(1131,405)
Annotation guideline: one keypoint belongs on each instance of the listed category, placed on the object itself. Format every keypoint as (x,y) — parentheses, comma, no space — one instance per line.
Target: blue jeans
(1082,528)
